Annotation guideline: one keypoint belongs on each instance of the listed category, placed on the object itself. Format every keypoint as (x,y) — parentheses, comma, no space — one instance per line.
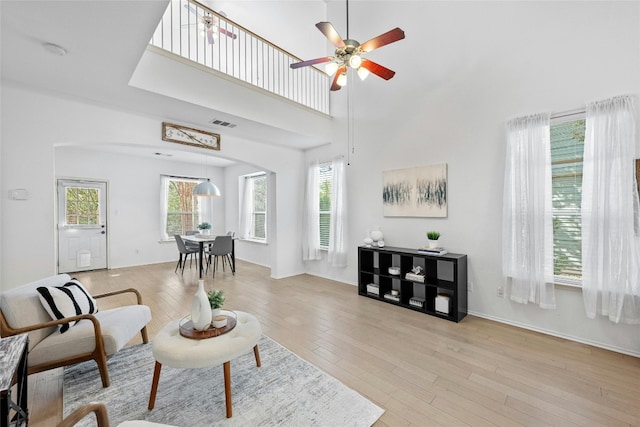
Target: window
(259,214)
(326,172)
(82,206)
(567,148)
(253,209)
(182,212)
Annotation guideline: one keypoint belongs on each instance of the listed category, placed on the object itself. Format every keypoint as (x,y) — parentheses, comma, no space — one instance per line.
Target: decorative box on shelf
(392,297)
(414,277)
(433,251)
(442,303)
(372,288)
(417,302)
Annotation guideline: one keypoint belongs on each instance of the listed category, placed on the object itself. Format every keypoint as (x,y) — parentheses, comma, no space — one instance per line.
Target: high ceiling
(104,41)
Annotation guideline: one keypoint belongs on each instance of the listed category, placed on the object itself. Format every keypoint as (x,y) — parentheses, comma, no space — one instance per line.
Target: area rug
(285,391)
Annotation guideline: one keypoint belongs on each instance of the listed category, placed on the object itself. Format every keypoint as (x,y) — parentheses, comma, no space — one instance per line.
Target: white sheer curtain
(337,228)
(205,209)
(527,224)
(610,246)
(311,218)
(246,208)
(164,190)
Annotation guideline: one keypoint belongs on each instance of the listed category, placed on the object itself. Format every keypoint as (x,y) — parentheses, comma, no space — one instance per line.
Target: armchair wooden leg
(101,360)
(145,336)
(256,353)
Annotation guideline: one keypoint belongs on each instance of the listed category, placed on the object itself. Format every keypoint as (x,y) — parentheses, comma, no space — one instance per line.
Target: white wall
(462,71)
(34,123)
(133,208)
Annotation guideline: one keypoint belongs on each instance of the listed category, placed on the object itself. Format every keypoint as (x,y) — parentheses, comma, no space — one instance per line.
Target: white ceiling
(104,41)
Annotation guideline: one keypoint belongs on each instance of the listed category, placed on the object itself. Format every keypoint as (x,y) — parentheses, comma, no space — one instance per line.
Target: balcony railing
(193,31)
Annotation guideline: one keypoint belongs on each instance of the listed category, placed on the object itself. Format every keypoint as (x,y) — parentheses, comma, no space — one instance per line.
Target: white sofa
(96,337)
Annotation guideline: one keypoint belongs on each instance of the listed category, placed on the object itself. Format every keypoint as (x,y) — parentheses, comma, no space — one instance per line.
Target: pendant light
(206,188)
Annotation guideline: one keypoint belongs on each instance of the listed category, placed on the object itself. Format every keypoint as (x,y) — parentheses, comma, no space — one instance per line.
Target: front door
(82,225)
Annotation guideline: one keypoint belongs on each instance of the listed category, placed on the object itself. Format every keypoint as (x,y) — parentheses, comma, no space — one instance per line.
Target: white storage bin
(442,303)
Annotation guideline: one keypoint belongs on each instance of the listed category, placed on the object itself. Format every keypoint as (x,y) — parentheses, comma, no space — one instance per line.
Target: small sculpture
(417,270)
(376,235)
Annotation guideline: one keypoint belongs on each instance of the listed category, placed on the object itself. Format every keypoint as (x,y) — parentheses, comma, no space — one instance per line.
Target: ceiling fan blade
(382,40)
(228,33)
(210,36)
(377,69)
(330,33)
(335,85)
(311,62)
(191,9)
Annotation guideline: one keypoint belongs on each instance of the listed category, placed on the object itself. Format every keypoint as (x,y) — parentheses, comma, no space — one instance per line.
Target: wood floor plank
(424,371)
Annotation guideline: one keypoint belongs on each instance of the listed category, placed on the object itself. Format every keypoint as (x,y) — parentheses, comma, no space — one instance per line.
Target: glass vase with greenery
(216,300)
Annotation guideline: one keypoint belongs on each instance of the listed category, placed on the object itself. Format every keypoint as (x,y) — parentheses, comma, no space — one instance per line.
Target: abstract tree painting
(415,192)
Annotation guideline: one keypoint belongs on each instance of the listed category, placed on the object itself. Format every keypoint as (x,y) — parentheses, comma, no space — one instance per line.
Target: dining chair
(221,247)
(189,244)
(186,251)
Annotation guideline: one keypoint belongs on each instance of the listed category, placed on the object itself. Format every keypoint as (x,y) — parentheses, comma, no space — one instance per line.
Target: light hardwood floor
(422,370)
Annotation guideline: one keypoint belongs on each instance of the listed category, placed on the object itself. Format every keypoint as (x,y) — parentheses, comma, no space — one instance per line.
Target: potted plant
(204,228)
(433,237)
(216,299)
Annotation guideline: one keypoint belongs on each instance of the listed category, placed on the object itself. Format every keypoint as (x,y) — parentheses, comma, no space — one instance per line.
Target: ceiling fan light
(363,73)
(206,189)
(342,79)
(331,68)
(355,61)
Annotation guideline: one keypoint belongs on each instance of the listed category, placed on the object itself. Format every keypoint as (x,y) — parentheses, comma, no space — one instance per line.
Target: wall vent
(219,122)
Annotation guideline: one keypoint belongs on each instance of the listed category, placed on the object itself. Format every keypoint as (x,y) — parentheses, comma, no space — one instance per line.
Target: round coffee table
(172,349)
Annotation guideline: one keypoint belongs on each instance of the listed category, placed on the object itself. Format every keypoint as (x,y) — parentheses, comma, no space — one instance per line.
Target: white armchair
(97,337)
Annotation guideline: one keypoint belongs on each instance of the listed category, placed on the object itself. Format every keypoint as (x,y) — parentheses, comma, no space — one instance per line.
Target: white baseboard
(556,334)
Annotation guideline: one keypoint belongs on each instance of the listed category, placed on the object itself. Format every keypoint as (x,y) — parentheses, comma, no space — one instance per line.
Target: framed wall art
(415,192)
(190,136)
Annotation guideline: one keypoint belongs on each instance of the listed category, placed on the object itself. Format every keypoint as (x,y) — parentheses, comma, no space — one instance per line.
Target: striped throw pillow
(68,300)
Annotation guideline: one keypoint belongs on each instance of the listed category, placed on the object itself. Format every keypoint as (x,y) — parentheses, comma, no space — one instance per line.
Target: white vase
(200,309)
(433,243)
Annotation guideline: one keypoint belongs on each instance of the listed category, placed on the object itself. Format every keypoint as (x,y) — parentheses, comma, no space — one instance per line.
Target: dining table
(203,239)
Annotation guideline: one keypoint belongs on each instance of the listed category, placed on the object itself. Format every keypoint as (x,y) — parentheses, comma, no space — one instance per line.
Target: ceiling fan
(209,24)
(349,54)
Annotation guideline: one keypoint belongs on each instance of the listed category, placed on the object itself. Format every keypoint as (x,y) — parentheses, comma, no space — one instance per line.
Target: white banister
(195,32)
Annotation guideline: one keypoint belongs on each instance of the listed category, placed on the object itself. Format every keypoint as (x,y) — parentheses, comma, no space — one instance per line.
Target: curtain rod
(568,113)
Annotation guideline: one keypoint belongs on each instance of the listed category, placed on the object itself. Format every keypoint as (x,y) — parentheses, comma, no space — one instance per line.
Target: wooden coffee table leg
(257,354)
(154,385)
(227,387)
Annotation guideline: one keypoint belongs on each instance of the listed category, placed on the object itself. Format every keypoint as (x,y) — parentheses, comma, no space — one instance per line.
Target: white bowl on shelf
(395,271)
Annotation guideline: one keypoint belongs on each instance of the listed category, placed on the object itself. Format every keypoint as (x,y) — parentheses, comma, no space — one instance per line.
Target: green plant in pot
(433,237)
(216,300)
(204,227)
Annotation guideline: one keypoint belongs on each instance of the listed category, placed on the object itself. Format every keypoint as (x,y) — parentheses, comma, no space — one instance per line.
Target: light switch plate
(18,194)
